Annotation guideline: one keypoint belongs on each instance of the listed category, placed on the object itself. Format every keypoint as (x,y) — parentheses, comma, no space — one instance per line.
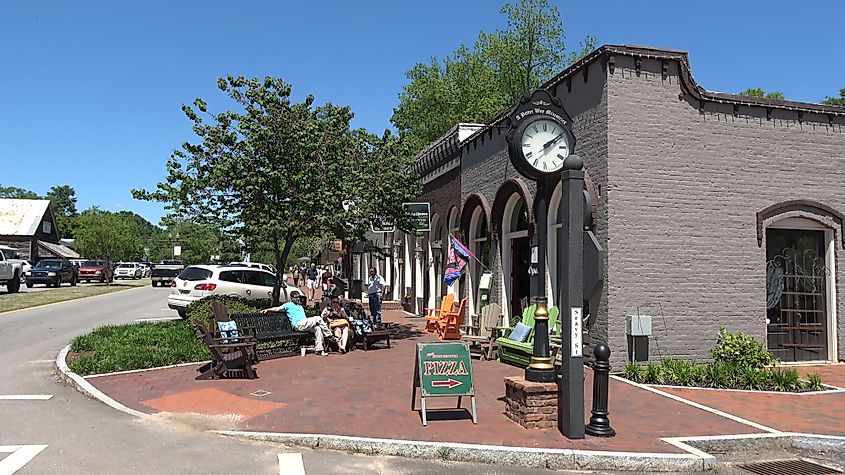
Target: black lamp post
(173,240)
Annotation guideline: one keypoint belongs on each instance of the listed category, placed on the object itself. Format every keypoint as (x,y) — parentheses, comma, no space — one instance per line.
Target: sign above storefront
(420,215)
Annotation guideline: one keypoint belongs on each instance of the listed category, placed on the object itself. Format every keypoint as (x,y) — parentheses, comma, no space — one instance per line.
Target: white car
(255,265)
(128,270)
(196,282)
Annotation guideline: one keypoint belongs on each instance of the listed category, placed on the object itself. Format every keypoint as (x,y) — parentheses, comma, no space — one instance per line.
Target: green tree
(277,170)
(63,201)
(106,235)
(836,101)
(13,192)
(473,85)
(757,92)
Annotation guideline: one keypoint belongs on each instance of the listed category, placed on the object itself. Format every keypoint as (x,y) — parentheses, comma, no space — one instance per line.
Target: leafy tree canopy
(13,192)
(757,92)
(274,170)
(63,201)
(474,84)
(106,235)
(836,101)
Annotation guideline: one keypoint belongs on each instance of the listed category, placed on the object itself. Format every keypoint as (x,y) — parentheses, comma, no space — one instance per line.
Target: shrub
(721,375)
(634,372)
(814,382)
(741,350)
(754,378)
(654,374)
(786,380)
(200,311)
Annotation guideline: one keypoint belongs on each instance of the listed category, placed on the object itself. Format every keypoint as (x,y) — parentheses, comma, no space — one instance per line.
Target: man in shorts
(311,280)
(298,321)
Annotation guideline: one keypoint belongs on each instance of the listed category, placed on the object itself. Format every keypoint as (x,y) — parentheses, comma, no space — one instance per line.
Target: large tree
(14,192)
(758,92)
(105,235)
(836,101)
(63,200)
(275,170)
(474,84)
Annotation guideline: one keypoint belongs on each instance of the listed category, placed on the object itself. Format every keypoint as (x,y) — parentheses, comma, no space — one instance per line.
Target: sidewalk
(368,394)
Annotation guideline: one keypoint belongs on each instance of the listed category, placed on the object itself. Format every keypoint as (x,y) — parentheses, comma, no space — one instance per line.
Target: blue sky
(90,92)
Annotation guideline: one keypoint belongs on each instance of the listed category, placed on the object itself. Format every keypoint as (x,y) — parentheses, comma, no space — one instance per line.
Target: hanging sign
(420,214)
(443,369)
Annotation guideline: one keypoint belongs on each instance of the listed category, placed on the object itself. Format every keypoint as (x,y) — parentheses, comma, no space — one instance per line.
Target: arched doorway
(479,245)
(515,256)
(435,259)
(551,249)
(454,226)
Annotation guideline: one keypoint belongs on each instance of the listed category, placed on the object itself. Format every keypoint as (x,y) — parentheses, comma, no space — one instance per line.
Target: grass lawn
(24,299)
(135,346)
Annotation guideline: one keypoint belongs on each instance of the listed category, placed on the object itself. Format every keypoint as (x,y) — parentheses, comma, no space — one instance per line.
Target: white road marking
(291,464)
(19,456)
(159,319)
(22,397)
(40,361)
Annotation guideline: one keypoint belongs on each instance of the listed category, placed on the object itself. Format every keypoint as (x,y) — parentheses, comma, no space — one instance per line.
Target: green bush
(200,310)
(634,372)
(654,373)
(741,350)
(814,382)
(135,346)
(754,378)
(786,380)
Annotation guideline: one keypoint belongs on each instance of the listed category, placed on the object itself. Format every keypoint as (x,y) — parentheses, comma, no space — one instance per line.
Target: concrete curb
(87,388)
(555,459)
(9,312)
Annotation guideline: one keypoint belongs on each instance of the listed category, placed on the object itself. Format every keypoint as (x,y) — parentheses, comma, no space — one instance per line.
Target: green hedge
(200,310)
(135,346)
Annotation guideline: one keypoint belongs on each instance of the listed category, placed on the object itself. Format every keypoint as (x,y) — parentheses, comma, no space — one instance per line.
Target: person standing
(375,292)
(298,321)
(311,280)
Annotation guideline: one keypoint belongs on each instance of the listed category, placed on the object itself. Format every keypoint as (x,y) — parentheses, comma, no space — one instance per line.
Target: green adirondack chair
(517,352)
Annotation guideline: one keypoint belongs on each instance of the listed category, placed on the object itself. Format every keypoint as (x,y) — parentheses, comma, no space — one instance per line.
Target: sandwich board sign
(443,369)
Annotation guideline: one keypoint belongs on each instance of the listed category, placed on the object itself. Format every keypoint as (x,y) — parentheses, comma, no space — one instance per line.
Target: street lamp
(173,240)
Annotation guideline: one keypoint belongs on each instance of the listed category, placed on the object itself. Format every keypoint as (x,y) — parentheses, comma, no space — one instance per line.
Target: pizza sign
(444,369)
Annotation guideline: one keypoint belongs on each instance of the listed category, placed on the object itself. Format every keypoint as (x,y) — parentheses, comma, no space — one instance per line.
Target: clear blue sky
(90,92)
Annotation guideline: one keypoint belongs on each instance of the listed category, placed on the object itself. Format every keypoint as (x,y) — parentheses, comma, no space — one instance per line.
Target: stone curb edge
(555,459)
(87,388)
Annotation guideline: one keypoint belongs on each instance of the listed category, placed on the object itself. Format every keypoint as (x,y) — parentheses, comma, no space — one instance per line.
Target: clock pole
(541,368)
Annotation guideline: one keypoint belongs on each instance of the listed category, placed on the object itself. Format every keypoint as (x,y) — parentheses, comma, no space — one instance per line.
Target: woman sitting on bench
(337,320)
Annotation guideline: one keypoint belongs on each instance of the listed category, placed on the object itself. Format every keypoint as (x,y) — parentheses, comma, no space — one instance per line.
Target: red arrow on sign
(451,383)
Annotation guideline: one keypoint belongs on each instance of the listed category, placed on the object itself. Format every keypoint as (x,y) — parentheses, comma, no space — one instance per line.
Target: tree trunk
(281,256)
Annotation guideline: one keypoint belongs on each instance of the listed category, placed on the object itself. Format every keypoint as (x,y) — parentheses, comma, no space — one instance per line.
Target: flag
(458,258)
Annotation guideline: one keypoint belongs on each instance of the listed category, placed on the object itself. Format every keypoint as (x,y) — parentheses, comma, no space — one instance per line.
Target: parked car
(164,273)
(10,274)
(96,270)
(196,282)
(128,270)
(52,272)
(145,269)
(255,265)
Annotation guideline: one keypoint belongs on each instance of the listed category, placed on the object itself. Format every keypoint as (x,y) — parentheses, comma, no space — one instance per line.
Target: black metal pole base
(599,427)
(540,375)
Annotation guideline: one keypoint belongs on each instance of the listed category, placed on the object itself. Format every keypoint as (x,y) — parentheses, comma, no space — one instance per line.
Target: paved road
(85,436)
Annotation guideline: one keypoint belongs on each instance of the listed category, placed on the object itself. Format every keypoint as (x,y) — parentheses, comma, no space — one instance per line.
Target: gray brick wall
(683,188)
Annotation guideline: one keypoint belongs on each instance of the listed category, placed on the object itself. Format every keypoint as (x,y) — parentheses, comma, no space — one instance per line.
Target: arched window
(515,256)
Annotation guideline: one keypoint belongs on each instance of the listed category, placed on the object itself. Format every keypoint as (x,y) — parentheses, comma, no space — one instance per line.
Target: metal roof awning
(58,250)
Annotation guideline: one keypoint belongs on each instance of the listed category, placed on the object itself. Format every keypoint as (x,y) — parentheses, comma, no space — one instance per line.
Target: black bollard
(599,425)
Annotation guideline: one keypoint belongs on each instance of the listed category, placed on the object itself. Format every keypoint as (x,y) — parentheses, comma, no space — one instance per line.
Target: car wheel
(155,284)
(183,314)
(14,285)
(28,284)
(73,281)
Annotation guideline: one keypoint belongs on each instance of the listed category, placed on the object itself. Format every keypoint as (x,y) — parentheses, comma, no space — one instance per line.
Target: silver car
(128,270)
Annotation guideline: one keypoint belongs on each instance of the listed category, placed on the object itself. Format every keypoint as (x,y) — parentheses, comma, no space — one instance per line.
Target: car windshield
(91,264)
(49,264)
(125,266)
(171,263)
(195,273)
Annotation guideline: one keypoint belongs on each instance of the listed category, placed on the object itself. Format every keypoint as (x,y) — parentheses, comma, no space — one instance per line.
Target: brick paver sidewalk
(369,394)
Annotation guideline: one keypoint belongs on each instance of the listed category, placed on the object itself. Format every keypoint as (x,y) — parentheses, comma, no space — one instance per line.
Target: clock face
(545,145)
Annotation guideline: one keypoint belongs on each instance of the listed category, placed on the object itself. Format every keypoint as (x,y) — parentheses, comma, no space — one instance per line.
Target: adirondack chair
(433,314)
(449,326)
(228,359)
(483,334)
(221,314)
(519,353)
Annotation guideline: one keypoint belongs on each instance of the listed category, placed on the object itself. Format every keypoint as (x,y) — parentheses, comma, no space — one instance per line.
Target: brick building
(714,210)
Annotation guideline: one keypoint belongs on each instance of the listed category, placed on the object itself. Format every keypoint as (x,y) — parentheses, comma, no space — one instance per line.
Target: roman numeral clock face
(545,145)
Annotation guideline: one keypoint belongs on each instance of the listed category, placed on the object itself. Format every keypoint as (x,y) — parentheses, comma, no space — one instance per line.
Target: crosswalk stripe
(20,456)
(291,464)
(22,397)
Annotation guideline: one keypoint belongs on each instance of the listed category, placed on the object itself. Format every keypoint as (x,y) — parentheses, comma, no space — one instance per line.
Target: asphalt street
(84,436)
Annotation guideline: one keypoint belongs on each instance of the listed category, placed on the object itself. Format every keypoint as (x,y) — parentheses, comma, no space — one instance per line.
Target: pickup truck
(10,274)
(164,273)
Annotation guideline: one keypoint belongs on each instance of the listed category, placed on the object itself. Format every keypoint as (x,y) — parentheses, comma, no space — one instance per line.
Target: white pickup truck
(10,273)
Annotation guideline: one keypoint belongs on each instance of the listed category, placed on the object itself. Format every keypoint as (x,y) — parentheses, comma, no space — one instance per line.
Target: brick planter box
(531,405)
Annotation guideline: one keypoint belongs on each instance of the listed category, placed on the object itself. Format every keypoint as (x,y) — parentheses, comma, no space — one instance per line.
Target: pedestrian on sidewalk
(376,287)
(311,280)
(299,322)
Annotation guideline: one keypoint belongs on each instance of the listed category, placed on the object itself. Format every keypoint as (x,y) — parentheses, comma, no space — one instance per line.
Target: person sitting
(338,322)
(299,322)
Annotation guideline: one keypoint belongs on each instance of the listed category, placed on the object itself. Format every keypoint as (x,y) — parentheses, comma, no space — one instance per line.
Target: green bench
(517,352)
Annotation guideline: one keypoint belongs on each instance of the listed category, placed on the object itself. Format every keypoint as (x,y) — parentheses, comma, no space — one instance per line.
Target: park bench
(517,352)
(229,357)
(356,311)
(483,330)
(273,333)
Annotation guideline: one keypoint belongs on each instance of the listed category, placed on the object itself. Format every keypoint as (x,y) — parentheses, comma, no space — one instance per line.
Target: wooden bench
(355,311)
(273,333)
(517,352)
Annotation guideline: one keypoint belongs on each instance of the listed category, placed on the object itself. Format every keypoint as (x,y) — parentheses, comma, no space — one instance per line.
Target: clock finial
(573,162)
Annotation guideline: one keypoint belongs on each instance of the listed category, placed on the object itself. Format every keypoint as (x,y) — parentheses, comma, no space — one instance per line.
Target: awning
(58,250)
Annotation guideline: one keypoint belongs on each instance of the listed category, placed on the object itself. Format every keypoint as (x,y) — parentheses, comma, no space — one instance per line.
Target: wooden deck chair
(490,318)
(433,314)
(227,359)
(449,326)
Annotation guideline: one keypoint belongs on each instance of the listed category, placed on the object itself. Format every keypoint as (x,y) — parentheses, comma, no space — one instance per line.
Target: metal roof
(59,250)
(21,217)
